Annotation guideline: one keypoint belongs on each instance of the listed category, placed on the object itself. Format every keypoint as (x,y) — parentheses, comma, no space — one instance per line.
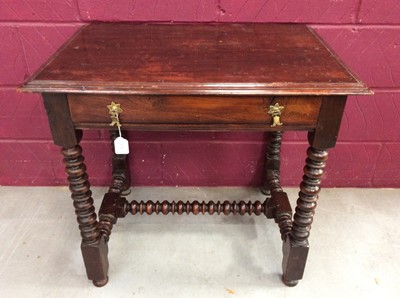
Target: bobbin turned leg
(121,180)
(271,181)
(112,205)
(323,137)
(277,204)
(94,248)
(295,246)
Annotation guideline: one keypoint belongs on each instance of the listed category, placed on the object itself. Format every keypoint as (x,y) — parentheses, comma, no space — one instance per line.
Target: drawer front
(155,111)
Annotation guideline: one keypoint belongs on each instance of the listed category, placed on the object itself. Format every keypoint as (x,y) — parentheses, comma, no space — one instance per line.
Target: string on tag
(119,126)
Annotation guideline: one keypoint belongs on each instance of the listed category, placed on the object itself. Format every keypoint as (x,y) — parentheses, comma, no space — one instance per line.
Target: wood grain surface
(136,58)
(156,111)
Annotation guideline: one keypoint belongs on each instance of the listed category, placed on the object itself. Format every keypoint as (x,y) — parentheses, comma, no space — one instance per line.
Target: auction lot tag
(121,146)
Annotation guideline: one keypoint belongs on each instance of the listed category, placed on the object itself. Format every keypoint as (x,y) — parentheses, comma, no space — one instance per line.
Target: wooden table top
(238,59)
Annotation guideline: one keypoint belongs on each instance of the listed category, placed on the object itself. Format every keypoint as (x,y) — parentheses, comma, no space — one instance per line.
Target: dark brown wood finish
(61,126)
(154,112)
(196,77)
(272,164)
(111,207)
(295,246)
(94,248)
(277,205)
(196,207)
(121,178)
(196,59)
(329,119)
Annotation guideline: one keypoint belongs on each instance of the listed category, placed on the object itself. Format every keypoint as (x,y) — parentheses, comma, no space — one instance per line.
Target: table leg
(121,180)
(272,164)
(277,202)
(295,246)
(94,248)
(120,186)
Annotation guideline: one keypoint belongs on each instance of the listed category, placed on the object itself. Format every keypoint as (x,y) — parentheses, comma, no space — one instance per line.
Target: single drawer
(216,112)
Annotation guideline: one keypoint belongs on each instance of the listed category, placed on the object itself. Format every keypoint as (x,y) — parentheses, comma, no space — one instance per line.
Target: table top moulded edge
(34,85)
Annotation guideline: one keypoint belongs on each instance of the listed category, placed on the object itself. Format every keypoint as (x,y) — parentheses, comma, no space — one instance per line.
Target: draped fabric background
(364,33)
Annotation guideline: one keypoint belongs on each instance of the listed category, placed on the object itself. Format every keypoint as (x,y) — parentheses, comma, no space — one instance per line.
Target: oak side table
(209,77)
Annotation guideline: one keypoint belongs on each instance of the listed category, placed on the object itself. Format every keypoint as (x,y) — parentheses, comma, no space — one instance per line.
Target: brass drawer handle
(114,109)
(275,111)
(121,145)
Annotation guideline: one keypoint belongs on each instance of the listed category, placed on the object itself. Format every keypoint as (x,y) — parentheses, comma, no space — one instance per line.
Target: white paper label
(121,146)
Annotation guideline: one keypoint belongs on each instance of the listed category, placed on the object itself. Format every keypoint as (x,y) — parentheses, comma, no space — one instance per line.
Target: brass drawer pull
(121,145)
(275,111)
(114,109)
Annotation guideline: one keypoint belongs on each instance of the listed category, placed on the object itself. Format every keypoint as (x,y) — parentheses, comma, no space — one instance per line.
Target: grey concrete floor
(354,247)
